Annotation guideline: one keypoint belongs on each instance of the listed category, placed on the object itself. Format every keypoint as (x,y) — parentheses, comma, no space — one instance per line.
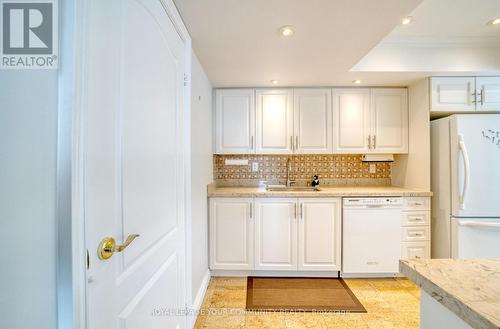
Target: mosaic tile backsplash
(330,169)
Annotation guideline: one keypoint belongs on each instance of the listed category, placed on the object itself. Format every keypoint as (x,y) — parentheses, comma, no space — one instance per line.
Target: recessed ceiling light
(496,21)
(274,82)
(357,82)
(286,30)
(407,20)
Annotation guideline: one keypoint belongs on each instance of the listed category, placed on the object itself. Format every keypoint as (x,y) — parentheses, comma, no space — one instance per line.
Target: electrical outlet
(373,168)
(255,166)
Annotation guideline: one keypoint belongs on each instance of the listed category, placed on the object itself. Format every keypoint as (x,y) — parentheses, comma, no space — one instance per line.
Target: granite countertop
(324,191)
(468,288)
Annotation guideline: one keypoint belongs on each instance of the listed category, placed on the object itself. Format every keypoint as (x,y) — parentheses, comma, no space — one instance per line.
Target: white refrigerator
(465,160)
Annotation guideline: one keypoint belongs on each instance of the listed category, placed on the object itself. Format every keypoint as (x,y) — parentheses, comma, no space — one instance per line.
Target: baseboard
(198,301)
(245,273)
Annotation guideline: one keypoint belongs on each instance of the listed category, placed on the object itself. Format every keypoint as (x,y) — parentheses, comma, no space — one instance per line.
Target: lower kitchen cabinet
(416,228)
(231,234)
(416,250)
(276,234)
(320,233)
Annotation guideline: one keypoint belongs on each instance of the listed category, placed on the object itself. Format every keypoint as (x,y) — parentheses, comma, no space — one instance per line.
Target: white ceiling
(337,41)
(452,19)
(238,44)
(446,35)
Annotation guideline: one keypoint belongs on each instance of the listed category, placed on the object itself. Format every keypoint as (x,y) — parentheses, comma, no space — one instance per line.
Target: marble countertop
(468,288)
(324,191)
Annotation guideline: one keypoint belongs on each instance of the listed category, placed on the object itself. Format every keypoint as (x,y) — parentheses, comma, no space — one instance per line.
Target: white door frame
(72,87)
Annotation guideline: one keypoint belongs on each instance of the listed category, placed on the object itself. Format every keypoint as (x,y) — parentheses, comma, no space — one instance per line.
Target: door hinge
(88,260)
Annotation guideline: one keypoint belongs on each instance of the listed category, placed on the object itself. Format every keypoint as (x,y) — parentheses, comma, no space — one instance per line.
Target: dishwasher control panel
(381,202)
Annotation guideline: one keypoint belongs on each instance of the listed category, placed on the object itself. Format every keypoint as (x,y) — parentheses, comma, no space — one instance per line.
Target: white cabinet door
(275,234)
(319,234)
(274,127)
(312,120)
(231,234)
(488,93)
(416,250)
(234,121)
(452,94)
(351,120)
(389,120)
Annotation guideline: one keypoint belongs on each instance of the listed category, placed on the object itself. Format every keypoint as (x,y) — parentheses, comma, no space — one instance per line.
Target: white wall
(414,169)
(28,239)
(201,172)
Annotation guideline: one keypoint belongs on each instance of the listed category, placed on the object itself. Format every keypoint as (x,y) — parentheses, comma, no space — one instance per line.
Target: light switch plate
(373,168)
(236,162)
(255,166)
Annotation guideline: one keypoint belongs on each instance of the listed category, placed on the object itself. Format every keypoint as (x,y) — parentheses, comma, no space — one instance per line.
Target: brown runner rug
(301,294)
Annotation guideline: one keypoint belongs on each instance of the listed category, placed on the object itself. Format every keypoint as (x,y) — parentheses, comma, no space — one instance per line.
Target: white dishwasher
(371,236)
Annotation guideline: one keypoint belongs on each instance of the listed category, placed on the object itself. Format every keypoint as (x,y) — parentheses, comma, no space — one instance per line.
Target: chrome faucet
(289,182)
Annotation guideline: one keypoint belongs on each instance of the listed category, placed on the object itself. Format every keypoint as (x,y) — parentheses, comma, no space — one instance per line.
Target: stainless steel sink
(283,188)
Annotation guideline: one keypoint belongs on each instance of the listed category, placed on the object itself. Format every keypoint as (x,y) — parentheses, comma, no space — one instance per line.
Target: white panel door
(231,233)
(234,121)
(276,234)
(312,120)
(274,126)
(488,93)
(320,234)
(351,120)
(389,120)
(475,159)
(134,164)
(452,94)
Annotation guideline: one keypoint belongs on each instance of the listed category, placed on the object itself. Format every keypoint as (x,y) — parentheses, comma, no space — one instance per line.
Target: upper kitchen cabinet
(488,93)
(351,108)
(389,120)
(235,121)
(312,121)
(274,121)
(370,120)
(464,94)
(453,94)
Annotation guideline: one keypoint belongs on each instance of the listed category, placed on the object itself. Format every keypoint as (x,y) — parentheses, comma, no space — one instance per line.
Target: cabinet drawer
(416,233)
(417,203)
(416,250)
(416,218)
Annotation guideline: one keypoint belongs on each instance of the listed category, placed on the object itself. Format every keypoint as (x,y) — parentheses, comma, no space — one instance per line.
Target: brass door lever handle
(108,246)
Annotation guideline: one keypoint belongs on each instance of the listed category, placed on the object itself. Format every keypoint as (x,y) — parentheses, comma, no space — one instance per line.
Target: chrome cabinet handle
(291,142)
(374,141)
(251,211)
(251,142)
(369,142)
(477,94)
(301,213)
(296,142)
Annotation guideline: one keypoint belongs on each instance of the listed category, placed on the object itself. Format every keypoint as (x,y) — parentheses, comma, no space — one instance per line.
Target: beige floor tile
(267,320)
(230,281)
(351,321)
(391,303)
(305,320)
(228,297)
(224,322)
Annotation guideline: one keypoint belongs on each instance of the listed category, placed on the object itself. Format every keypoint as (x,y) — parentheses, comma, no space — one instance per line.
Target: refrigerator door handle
(478,224)
(463,149)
